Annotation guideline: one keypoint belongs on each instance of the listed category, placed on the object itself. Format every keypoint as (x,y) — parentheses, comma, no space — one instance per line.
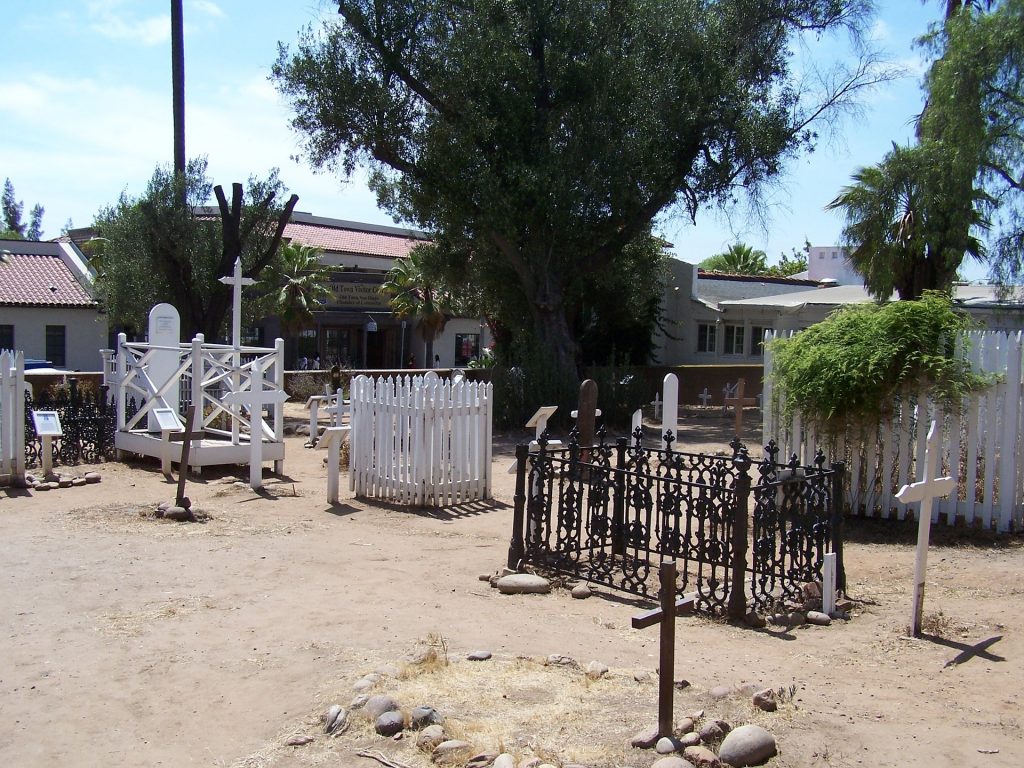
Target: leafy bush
(851,365)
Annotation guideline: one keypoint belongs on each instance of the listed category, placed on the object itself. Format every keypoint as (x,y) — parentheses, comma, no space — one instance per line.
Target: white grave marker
(332,440)
(670,421)
(253,400)
(164,337)
(638,423)
(925,491)
(656,402)
(705,397)
(236,281)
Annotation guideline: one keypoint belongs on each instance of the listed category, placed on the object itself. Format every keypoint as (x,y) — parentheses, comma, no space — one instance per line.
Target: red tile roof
(39,281)
(341,240)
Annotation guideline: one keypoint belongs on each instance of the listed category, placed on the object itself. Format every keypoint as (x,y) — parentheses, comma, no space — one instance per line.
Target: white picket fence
(12,416)
(419,440)
(982,444)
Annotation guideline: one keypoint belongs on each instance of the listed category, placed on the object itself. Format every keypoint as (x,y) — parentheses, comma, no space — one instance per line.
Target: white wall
(444,345)
(85,333)
(829,262)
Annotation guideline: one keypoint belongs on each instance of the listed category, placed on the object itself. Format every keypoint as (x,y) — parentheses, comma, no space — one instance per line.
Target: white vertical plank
(994,396)
(768,412)
(887,435)
(870,467)
(670,412)
(1009,432)
(975,433)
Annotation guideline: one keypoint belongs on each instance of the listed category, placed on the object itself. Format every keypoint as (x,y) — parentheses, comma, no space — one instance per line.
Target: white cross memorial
(924,491)
(236,281)
(704,396)
(253,400)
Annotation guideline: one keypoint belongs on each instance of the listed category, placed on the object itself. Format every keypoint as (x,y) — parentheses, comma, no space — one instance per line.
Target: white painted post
(828,584)
(332,440)
(670,420)
(254,399)
(637,423)
(279,407)
(924,491)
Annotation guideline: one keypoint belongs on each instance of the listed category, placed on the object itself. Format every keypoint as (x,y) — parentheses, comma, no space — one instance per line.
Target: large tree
(543,138)
(154,249)
(13,228)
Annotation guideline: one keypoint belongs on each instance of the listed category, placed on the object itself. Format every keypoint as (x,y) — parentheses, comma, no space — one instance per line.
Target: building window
(467,347)
(252,336)
(6,337)
(757,333)
(733,340)
(706,337)
(55,345)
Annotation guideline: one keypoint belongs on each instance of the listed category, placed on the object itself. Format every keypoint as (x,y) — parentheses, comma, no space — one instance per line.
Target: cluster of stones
(692,743)
(806,612)
(180,511)
(510,582)
(54,480)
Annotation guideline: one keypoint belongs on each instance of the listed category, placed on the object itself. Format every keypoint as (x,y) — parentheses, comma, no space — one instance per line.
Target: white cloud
(880,31)
(208,7)
(110,19)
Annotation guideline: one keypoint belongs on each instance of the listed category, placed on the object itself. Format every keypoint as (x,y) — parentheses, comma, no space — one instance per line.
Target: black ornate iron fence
(611,514)
(87,418)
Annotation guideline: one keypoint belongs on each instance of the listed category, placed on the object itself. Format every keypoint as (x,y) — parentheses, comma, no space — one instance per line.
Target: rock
(842,615)
(359,701)
(92,477)
(642,677)
(814,604)
(667,745)
(185,502)
(365,683)
(484,577)
(377,705)
(504,760)
(430,737)
(681,684)
(479,656)
(720,692)
(581,592)
(451,751)
(334,718)
(423,716)
(748,688)
(645,739)
(672,761)
(523,584)
(389,723)
(844,605)
(766,700)
(812,590)
(818,618)
(596,670)
(298,741)
(78,482)
(530,762)
(795,619)
(714,731)
(42,486)
(747,745)
(180,514)
(691,739)
(482,760)
(702,757)
(64,482)
(686,725)
(560,660)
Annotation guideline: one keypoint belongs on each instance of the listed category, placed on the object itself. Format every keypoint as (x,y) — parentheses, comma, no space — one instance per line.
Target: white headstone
(669,421)
(165,337)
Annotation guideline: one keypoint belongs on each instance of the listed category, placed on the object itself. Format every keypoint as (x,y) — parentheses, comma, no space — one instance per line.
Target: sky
(85,114)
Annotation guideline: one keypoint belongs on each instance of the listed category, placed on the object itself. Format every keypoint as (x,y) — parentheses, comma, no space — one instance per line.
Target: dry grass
(134,623)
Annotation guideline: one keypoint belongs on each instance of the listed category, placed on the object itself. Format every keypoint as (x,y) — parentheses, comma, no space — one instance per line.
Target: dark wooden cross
(186,438)
(586,412)
(738,401)
(665,615)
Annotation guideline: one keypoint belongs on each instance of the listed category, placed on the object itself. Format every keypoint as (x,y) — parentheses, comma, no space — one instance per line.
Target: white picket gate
(982,444)
(420,440)
(12,416)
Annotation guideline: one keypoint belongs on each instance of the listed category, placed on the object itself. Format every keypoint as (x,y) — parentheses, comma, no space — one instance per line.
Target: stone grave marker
(165,337)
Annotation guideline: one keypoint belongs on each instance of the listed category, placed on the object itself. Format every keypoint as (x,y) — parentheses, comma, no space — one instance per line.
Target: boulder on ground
(747,745)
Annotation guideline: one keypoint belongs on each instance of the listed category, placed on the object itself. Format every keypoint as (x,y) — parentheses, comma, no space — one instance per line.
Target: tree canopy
(12,209)
(738,259)
(538,141)
(154,249)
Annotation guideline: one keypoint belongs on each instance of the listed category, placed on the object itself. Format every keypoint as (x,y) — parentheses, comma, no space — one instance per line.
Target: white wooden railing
(981,442)
(12,415)
(420,440)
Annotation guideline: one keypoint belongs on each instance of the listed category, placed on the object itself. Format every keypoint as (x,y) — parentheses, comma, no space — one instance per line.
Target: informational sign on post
(47,423)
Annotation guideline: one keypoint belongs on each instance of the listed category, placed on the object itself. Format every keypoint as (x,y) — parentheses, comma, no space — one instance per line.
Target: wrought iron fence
(87,418)
(611,514)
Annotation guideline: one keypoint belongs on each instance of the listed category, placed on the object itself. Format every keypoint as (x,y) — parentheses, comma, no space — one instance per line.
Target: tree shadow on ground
(868,530)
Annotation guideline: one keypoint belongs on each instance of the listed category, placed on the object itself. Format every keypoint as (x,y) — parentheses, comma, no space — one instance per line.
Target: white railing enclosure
(12,417)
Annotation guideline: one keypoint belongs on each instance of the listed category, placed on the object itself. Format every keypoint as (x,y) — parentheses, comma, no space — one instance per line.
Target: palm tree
(301,286)
(415,294)
(902,232)
(739,259)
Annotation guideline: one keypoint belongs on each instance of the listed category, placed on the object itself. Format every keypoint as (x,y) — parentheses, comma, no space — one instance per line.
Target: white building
(48,307)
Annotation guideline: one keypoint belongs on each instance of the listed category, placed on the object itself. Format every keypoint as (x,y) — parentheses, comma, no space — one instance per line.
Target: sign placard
(47,424)
(168,420)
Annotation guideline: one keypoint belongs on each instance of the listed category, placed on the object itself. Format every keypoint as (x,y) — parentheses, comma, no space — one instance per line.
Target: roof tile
(39,280)
(349,240)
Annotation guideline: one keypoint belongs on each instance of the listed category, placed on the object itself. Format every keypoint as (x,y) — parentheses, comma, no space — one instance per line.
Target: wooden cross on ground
(738,401)
(253,400)
(186,438)
(666,617)
(924,491)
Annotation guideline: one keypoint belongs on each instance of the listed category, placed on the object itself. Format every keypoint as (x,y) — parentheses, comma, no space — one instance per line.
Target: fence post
(836,523)
(738,590)
(619,502)
(517,546)
(122,374)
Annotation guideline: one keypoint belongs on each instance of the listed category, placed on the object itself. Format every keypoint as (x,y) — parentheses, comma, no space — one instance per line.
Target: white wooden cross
(729,390)
(704,396)
(236,281)
(539,422)
(924,491)
(253,400)
(656,402)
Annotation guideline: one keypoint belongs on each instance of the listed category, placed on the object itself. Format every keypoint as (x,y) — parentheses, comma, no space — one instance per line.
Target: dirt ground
(130,641)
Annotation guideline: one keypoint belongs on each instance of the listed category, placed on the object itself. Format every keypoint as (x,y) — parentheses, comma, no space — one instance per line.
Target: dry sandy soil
(131,641)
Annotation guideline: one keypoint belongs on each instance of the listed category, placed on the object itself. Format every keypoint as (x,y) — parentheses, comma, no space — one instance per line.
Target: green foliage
(13,227)
(296,285)
(538,141)
(791,263)
(533,381)
(415,290)
(620,391)
(850,365)
(738,259)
